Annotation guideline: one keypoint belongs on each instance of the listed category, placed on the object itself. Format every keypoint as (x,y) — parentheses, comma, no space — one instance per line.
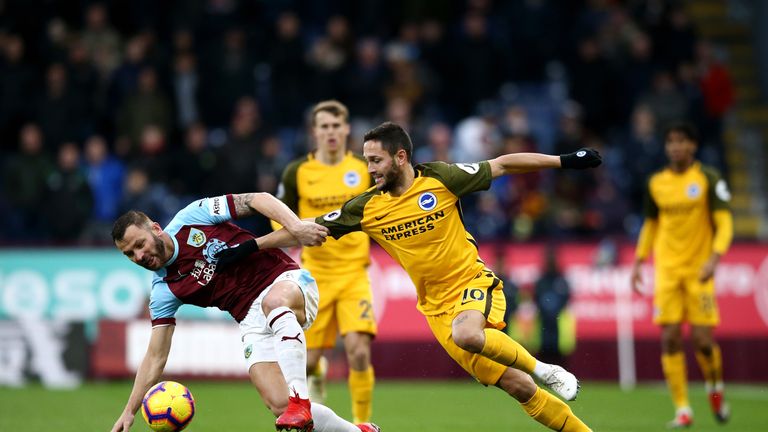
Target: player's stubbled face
(680,149)
(143,247)
(330,131)
(381,166)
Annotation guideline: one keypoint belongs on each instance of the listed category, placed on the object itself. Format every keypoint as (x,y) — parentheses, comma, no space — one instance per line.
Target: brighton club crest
(427,201)
(351,179)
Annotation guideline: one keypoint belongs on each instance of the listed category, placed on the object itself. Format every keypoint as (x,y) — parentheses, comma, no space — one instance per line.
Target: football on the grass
(168,407)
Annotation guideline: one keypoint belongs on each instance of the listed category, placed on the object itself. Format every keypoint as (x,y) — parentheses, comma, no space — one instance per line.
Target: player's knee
(671,346)
(283,294)
(470,340)
(702,340)
(359,357)
(671,341)
(703,345)
(272,302)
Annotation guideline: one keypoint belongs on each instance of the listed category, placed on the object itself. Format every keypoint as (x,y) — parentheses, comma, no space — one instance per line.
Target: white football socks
(290,348)
(327,421)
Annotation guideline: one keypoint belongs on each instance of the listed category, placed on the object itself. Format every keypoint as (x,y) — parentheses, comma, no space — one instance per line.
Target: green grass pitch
(423,406)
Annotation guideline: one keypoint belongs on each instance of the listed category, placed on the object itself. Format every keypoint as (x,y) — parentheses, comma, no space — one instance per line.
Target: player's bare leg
(469,333)
(710,360)
(540,404)
(317,371)
(676,374)
(361,378)
(269,381)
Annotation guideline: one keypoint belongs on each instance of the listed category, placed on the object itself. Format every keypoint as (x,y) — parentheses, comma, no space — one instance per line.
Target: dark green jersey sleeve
(719,194)
(287,191)
(650,209)
(460,178)
(346,219)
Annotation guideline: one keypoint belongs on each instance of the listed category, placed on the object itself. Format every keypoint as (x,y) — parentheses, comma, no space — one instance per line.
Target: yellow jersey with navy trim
(683,204)
(312,188)
(422,229)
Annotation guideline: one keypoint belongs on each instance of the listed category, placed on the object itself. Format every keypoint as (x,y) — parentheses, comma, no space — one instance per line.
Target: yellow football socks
(711,365)
(676,375)
(553,413)
(502,349)
(361,391)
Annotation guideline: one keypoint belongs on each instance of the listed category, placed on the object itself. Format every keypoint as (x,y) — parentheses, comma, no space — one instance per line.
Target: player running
(201,258)
(312,186)
(689,226)
(414,214)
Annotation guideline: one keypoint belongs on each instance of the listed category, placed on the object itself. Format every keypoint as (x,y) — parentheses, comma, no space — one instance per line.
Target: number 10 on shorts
(472,294)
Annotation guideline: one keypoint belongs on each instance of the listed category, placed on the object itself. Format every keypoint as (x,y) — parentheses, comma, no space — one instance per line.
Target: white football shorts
(257,337)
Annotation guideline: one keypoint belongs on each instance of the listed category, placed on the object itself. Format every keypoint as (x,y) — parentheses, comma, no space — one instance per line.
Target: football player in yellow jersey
(312,186)
(414,214)
(689,227)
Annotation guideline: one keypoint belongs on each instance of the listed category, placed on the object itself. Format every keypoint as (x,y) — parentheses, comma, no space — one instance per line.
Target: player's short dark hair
(131,217)
(331,106)
(684,128)
(392,138)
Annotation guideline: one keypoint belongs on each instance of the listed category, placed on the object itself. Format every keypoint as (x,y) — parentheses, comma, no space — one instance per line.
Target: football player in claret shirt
(201,258)
(689,226)
(311,186)
(413,213)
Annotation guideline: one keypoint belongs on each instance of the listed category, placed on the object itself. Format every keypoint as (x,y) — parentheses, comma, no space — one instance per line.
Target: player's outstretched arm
(281,238)
(276,239)
(150,370)
(249,204)
(515,163)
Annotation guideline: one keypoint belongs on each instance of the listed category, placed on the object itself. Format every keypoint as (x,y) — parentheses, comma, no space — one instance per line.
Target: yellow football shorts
(346,305)
(483,294)
(681,297)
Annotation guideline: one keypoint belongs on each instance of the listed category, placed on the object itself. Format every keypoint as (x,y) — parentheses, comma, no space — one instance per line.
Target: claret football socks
(720,408)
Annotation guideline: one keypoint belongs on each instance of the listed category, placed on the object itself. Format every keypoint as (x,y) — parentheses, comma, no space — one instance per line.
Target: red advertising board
(598,292)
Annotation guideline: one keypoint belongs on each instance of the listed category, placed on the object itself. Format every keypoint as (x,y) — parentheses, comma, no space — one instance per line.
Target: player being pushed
(201,258)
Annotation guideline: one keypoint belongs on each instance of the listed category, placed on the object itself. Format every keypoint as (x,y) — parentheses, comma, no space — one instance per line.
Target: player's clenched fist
(582,159)
(309,233)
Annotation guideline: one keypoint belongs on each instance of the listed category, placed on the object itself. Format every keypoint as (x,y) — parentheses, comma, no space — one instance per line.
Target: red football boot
(369,427)
(297,417)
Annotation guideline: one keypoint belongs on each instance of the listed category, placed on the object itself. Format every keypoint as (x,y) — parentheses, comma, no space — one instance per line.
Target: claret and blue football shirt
(198,232)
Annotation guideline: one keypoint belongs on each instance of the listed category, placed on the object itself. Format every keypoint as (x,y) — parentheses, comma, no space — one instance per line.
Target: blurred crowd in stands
(144,104)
